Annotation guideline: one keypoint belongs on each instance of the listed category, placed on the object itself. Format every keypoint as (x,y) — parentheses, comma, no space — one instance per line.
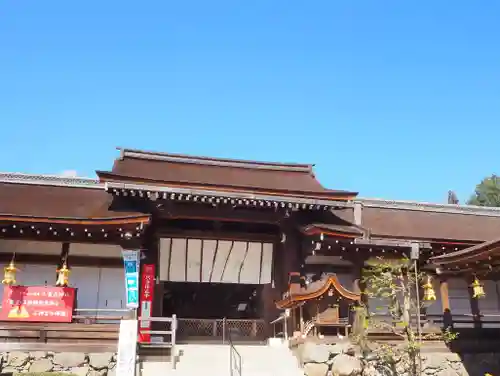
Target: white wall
(102,288)
(97,287)
(30,247)
(95,250)
(33,275)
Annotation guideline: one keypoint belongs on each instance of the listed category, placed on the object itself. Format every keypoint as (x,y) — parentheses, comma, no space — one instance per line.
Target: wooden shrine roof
(297,293)
(430,222)
(481,253)
(41,198)
(348,229)
(173,170)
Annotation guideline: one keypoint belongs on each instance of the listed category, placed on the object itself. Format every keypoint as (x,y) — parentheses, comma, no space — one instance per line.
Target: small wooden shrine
(319,303)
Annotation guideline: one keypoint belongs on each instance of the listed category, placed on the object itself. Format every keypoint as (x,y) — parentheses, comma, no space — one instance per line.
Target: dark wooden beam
(214,213)
(64,253)
(78,238)
(196,234)
(24,258)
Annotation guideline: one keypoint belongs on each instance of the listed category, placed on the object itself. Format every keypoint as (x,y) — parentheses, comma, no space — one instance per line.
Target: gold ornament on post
(9,277)
(63,276)
(477,289)
(429,293)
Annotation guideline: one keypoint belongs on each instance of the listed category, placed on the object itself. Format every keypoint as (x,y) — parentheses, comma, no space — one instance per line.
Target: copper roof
(42,197)
(430,221)
(226,174)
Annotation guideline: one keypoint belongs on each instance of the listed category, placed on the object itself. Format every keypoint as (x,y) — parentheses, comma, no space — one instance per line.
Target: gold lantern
(9,277)
(477,289)
(63,276)
(429,293)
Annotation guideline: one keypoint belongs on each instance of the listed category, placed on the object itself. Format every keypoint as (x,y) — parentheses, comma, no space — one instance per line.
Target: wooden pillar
(445,303)
(151,252)
(64,252)
(63,258)
(301,314)
(445,297)
(290,255)
(269,312)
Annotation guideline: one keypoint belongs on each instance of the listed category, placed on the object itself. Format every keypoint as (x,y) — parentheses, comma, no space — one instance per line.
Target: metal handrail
(234,355)
(283,317)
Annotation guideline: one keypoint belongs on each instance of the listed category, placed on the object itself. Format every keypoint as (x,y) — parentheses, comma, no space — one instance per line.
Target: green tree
(487,192)
(395,284)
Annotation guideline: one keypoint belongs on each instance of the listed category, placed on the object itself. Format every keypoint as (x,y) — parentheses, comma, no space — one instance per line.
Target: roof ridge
(214,161)
(46,179)
(430,207)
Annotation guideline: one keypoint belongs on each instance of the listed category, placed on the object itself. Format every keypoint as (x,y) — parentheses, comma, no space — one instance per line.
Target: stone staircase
(214,360)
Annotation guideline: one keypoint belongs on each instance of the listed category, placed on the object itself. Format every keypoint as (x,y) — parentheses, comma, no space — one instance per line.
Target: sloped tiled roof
(216,173)
(54,197)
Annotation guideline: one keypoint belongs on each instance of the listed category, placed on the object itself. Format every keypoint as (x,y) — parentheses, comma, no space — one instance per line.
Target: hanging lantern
(9,277)
(477,289)
(63,276)
(429,293)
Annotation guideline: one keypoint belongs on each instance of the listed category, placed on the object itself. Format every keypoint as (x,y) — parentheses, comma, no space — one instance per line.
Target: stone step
(214,360)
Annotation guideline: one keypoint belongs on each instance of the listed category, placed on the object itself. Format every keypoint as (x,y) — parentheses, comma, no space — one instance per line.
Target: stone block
(315,369)
(100,361)
(314,353)
(70,359)
(80,371)
(41,365)
(98,372)
(18,359)
(38,354)
(346,365)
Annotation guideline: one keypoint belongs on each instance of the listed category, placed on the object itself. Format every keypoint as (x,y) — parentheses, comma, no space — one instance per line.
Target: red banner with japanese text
(146,302)
(38,303)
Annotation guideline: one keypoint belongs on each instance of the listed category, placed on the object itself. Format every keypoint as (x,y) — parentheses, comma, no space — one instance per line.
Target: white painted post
(285,323)
(173,328)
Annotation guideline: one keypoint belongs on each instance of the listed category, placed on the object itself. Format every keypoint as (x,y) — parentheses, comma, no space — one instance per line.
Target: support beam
(27,258)
(64,254)
(208,213)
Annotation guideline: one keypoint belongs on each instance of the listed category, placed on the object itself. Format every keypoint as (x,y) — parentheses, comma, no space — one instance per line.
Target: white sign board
(127,348)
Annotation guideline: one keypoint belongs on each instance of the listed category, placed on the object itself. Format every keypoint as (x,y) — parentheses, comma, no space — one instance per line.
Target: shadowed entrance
(211,311)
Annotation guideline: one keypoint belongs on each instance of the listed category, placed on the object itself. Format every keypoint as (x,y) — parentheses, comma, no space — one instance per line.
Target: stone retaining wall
(342,360)
(80,364)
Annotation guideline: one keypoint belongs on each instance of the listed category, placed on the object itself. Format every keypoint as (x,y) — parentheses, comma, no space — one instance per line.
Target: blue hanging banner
(131,264)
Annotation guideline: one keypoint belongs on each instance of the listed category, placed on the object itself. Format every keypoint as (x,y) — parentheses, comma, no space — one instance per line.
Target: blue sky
(394,99)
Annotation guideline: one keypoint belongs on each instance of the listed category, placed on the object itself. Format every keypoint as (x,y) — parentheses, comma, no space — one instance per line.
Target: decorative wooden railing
(217,329)
(168,335)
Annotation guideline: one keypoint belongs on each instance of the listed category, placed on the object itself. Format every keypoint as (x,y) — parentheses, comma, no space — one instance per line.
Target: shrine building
(231,243)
